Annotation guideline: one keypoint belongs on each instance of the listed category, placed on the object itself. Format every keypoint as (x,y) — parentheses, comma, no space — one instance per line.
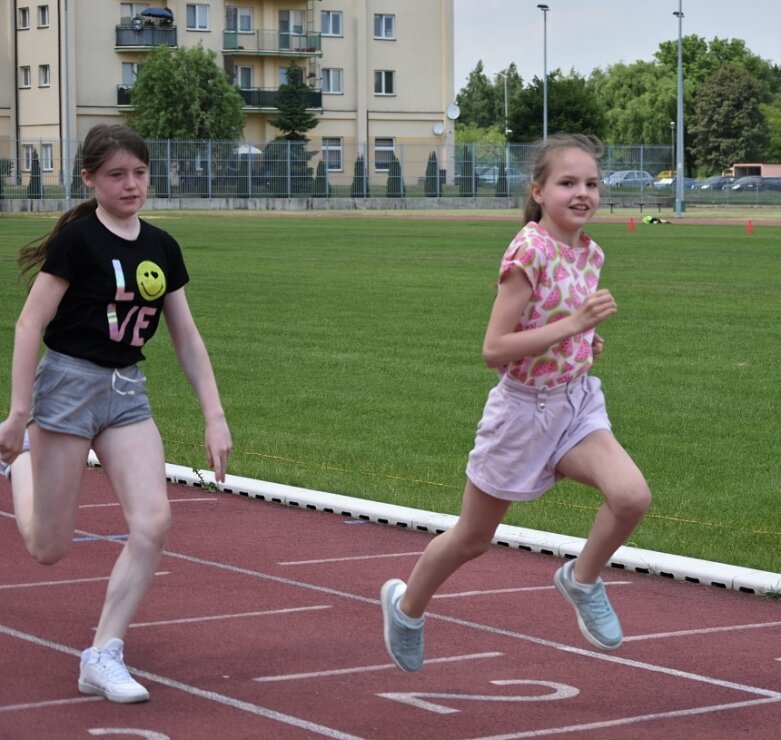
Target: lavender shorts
(525,432)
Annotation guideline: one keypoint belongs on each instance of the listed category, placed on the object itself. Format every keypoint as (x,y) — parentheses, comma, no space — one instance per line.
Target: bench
(644,202)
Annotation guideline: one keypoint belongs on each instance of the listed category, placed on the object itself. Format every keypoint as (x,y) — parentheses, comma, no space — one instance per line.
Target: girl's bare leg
(133,459)
(471,536)
(601,462)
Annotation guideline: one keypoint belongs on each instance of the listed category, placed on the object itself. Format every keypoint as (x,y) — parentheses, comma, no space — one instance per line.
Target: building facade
(380,72)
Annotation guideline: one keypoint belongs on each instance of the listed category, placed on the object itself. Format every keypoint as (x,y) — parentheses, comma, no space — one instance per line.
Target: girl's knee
(471,544)
(151,531)
(632,502)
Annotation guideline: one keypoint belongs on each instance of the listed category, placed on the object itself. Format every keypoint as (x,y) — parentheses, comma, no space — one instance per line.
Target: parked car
(716,182)
(755,182)
(689,183)
(629,178)
(490,176)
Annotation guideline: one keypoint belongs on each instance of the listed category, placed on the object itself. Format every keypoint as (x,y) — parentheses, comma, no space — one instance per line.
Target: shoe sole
(385,600)
(557,581)
(88,688)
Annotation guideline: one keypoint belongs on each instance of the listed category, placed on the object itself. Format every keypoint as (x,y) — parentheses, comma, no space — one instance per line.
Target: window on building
(384,150)
(23,19)
(244,77)
(129,73)
(384,82)
(47,157)
(25,77)
(291,28)
(44,75)
(43,16)
(238,19)
(197,17)
(331,81)
(332,153)
(384,26)
(128,11)
(331,22)
(27,157)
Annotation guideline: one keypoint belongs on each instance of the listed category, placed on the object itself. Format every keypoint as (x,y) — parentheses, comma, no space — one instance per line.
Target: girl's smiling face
(120,184)
(569,197)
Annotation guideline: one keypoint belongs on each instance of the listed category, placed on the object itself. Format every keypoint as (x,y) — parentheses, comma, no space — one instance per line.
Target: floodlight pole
(506,130)
(679,204)
(544,8)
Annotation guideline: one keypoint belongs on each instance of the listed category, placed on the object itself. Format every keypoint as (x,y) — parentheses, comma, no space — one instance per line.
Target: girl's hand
(218,443)
(597,345)
(595,309)
(11,439)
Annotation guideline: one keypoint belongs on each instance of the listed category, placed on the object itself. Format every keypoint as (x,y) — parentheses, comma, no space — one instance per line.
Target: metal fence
(326,168)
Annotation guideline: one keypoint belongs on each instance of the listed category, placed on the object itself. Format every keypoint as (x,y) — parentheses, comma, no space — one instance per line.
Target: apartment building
(380,71)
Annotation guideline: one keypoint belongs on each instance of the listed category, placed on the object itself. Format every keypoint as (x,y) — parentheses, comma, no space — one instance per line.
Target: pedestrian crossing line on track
(369,668)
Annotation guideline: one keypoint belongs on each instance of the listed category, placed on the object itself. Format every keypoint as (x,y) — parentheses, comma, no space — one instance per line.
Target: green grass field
(348,356)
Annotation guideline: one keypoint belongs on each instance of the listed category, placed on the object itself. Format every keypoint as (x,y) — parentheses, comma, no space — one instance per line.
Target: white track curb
(633,559)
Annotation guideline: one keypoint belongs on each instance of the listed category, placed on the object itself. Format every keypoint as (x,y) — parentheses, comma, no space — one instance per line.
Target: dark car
(716,182)
(755,182)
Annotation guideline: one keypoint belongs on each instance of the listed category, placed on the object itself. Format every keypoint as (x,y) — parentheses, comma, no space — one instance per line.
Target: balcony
(146,36)
(123,94)
(267,99)
(272,43)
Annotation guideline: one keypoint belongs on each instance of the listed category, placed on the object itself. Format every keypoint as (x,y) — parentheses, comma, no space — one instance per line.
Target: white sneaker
(103,673)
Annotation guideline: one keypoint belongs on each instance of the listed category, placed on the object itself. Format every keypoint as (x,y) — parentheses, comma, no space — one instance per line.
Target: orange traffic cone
(749,227)
(631,224)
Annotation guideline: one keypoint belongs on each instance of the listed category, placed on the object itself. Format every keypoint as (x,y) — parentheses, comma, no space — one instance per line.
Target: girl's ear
(536,193)
(86,178)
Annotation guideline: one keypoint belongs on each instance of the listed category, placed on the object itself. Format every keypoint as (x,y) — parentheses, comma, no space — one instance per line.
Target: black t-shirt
(113,304)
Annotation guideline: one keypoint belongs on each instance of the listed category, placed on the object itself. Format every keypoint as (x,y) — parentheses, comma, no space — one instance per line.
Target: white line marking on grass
(516,590)
(703,631)
(226,701)
(65,582)
(693,712)
(369,668)
(218,617)
(352,557)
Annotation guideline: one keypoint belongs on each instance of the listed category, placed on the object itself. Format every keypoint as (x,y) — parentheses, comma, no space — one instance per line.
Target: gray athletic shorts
(525,432)
(74,396)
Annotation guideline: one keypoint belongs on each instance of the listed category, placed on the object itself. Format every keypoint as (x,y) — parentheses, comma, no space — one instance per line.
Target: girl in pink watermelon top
(546,418)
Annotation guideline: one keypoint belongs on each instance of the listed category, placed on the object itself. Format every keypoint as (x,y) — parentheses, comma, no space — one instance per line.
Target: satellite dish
(453,111)
(439,129)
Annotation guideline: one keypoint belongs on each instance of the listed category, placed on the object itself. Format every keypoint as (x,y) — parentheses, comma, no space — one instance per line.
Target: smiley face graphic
(150,280)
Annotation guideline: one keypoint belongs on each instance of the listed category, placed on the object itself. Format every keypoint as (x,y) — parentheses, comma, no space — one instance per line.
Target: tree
(477,99)
(728,125)
(465,167)
(394,187)
(184,94)
(572,108)
(321,189)
(35,186)
(360,186)
(294,118)
(431,186)
(78,190)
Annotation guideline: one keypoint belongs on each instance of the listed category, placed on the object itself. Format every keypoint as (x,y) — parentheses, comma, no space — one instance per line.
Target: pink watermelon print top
(561,278)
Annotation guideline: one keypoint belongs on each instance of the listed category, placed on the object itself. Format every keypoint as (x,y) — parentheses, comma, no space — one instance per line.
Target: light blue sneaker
(403,635)
(597,621)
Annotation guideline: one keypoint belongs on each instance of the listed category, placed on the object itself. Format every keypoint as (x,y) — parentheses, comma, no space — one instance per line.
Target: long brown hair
(543,154)
(101,143)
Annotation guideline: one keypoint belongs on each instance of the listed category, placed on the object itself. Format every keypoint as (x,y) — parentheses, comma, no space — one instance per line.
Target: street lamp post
(679,204)
(544,8)
(507,131)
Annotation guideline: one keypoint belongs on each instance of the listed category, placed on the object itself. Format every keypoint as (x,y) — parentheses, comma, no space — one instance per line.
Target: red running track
(264,622)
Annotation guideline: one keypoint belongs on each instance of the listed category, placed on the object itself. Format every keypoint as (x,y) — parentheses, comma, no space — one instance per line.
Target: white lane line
(65,582)
(702,631)
(226,701)
(111,504)
(369,668)
(629,720)
(218,617)
(516,590)
(352,557)
(47,704)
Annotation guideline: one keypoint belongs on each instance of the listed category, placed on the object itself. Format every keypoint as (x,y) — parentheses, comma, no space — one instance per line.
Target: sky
(585,34)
